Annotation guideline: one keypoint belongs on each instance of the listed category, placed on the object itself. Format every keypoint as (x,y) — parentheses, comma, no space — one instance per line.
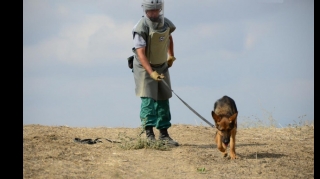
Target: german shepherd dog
(225,117)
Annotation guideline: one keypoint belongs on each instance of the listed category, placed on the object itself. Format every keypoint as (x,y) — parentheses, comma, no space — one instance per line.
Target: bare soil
(263,152)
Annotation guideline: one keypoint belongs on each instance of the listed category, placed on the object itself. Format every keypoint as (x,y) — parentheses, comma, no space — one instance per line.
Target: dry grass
(264,152)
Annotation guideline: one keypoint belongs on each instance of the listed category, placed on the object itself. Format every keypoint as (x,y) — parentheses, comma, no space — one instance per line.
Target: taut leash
(211,125)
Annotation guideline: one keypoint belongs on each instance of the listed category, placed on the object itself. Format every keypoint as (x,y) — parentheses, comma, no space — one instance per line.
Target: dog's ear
(233,117)
(216,118)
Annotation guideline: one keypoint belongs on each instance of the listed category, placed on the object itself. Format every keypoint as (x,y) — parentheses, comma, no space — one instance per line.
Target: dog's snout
(226,141)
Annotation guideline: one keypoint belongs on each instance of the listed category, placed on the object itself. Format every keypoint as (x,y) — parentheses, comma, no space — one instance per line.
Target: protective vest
(157,49)
(157,40)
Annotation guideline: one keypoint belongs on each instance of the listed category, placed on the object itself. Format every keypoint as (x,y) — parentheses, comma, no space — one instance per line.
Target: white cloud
(256,31)
(85,43)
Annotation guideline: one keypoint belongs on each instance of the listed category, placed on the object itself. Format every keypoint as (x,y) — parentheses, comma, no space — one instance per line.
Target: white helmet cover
(153,22)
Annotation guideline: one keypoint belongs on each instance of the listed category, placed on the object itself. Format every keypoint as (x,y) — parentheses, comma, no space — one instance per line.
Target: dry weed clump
(128,143)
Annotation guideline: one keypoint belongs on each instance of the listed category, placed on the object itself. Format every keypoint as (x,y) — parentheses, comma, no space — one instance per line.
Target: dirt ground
(264,152)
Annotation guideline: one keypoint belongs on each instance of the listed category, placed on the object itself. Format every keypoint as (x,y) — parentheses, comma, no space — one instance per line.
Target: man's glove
(171,59)
(154,75)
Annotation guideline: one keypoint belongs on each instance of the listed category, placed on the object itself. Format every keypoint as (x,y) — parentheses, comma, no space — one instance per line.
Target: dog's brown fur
(225,117)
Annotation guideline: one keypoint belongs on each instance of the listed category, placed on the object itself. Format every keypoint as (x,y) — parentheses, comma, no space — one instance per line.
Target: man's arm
(171,57)
(143,59)
(170,49)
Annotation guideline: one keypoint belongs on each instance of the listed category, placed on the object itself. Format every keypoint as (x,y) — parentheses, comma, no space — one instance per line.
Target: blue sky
(258,52)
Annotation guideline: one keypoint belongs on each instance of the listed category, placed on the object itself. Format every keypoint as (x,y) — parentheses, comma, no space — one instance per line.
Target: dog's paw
(233,156)
(224,154)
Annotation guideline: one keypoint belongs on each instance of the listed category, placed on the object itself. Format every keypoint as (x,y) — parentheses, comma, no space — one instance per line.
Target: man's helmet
(153,11)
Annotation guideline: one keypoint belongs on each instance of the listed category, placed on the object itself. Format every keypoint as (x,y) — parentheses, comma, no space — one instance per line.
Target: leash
(90,141)
(211,125)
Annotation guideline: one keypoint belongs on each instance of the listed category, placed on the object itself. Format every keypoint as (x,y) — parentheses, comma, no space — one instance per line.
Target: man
(154,54)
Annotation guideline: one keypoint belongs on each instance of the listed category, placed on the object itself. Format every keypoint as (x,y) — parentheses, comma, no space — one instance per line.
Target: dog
(225,117)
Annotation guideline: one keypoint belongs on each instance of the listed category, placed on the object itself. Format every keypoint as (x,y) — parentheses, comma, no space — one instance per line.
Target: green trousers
(155,113)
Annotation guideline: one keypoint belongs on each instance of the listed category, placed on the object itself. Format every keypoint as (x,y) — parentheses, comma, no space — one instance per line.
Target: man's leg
(163,123)
(148,116)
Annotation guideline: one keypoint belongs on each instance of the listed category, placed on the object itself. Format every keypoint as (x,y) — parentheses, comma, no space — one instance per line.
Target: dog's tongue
(226,144)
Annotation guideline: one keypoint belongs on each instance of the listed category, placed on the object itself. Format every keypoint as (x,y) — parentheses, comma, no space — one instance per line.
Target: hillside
(264,152)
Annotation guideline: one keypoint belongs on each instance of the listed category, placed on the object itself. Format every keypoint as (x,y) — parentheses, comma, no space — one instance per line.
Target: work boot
(164,136)
(150,134)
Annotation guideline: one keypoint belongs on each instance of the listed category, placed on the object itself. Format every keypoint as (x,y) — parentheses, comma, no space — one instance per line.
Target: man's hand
(154,75)
(171,59)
